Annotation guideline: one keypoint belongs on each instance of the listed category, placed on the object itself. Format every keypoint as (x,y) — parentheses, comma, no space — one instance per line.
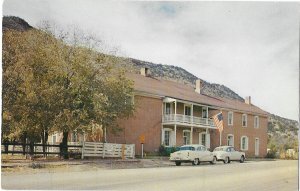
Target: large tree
(49,85)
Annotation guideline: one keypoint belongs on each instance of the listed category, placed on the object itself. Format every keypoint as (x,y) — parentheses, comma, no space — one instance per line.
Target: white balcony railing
(187,119)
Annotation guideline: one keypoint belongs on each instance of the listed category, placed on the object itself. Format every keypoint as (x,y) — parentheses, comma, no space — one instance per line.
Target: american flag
(218,120)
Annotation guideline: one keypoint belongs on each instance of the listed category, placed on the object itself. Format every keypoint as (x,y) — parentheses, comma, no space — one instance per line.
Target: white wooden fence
(97,149)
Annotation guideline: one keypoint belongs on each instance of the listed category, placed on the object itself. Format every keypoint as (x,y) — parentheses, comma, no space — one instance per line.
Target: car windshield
(187,148)
(220,149)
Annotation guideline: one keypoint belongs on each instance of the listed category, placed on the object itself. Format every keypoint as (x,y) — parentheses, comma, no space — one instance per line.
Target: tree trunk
(64,145)
(44,141)
(24,143)
(31,149)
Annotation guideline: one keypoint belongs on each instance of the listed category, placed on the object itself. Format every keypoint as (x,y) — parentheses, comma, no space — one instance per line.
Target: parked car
(194,154)
(228,153)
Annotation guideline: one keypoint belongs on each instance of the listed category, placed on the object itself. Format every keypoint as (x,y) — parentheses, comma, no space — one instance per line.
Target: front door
(256,146)
(204,139)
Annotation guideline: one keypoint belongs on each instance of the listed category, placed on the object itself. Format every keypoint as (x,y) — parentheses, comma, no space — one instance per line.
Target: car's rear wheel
(227,160)
(178,163)
(214,160)
(196,161)
(242,159)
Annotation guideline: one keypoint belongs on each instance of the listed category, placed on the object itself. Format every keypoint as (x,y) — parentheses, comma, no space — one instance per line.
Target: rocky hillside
(277,125)
(179,74)
(15,23)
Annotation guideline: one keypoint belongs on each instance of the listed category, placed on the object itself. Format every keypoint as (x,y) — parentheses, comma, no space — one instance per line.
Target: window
(167,138)
(256,122)
(230,140)
(168,108)
(187,110)
(54,139)
(203,139)
(230,118)
(244,120)
(244,143)
(204,112)
(186,137)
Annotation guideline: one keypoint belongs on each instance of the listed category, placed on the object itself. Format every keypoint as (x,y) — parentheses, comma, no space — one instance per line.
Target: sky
(250,47)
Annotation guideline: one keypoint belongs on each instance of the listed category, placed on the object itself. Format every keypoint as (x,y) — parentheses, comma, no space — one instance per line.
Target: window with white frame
(186,137)
(244,143)
(168,108)
(230,118)
(167,138)
(256,122)
(204,112)
(244,120)
(187,110)
(54,138)
(230,140)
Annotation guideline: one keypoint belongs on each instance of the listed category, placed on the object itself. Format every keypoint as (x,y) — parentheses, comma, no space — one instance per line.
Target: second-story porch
(188,114)
(185,122)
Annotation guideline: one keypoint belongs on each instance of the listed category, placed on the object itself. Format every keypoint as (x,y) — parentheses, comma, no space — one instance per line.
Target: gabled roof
(166,88)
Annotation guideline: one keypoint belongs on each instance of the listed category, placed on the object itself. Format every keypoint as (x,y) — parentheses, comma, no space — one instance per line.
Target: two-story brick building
(173,114)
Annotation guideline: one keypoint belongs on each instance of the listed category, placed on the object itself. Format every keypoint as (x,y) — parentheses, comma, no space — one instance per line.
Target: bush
(271,155)
(166,151)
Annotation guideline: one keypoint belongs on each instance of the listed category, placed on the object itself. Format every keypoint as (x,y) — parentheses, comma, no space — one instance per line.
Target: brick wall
(146,121)
(238,131)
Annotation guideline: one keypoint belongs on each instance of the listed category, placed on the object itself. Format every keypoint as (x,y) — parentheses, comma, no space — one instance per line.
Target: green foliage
(166,151)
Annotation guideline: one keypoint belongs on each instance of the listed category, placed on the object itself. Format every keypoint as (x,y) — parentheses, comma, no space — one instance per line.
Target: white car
(194,154)
(228,153)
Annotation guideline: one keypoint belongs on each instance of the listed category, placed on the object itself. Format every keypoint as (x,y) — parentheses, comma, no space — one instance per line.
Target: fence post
(82,151)
(103,153)
(123,151)
(133,151)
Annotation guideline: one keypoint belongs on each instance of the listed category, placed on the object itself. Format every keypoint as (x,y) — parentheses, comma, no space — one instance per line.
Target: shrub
(166,151)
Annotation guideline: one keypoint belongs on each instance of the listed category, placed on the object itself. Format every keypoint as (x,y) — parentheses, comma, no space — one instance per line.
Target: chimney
(198,86)
(145,72)
(248,100)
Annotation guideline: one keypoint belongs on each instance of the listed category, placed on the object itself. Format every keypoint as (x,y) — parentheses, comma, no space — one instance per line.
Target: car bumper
(220,158)
(180,160)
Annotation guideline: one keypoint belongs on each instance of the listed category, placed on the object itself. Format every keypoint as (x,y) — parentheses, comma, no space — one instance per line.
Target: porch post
(162,126)
(175,129)
(175,111)
(192,128)
(207,115)
(192,113)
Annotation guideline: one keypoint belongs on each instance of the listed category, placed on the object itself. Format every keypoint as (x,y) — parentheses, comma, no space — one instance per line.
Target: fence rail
(50,149)
(88,149)
(97,149)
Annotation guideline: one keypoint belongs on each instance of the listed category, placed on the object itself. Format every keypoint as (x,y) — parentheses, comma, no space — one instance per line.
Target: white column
(192,128)
(162,126)
(175,110)
(175,129)
(207,115)
(192,113)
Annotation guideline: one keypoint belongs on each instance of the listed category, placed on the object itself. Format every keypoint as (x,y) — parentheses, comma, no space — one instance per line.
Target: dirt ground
(20,164)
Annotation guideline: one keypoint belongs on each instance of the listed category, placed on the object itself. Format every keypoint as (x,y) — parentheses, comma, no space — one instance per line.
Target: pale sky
(250,47)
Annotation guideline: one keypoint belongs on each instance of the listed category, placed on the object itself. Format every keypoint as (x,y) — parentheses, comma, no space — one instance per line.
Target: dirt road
(253,175)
